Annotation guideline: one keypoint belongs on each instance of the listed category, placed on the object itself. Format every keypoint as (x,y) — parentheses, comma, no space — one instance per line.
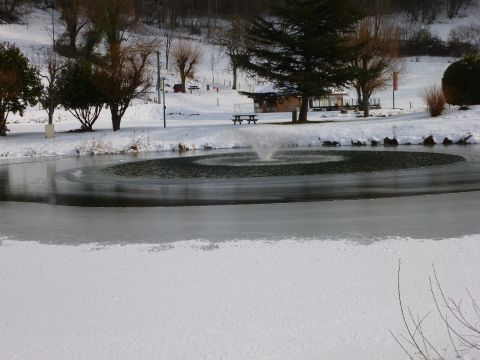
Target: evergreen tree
(20,84)
(79,92)
(303,47)
(460,81)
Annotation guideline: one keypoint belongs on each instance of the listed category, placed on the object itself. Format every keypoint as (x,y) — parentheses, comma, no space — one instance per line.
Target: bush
(435,100)
(461,82)
(423,42)
(79,92)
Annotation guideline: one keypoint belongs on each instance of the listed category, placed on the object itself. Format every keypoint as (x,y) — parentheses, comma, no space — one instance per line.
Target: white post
(49,131)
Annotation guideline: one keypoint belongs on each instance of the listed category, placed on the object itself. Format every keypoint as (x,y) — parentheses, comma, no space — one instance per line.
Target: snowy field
(245,299)
(240,300)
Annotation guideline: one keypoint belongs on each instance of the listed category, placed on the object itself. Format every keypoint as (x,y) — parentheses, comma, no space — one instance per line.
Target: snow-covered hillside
(143,122)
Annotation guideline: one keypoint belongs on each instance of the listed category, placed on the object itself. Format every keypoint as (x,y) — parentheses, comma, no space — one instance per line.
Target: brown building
(267,100)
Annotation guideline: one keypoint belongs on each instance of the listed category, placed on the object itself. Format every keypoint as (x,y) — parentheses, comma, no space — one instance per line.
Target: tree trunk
(359,98)
(50,115)
(72,44)
(304,108)
(365,102)
(116,119)
(184,81)
(366,108)
(3,124)
(234,70)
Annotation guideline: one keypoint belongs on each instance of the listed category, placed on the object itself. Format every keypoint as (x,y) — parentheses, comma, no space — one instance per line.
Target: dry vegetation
(435,100)
(460,321)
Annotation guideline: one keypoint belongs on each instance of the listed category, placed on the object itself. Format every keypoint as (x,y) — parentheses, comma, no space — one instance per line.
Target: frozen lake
(377,205)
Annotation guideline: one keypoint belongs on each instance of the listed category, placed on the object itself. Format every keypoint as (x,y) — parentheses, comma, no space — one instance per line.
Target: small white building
(336,99)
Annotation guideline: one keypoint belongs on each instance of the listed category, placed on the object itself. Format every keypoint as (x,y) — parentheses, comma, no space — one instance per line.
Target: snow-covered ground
(143,131)
(245,299)
(189,114)
(236,300)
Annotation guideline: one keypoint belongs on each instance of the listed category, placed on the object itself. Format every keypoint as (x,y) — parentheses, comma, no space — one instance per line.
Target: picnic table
(193,87)
(244,117)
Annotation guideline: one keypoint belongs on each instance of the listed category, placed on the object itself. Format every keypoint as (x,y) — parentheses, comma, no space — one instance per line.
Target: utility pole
(53,29)
(393,98)
(395,86)
(158,77)
(164,105)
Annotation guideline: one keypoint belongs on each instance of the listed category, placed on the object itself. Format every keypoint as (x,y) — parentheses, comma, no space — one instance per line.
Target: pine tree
(303,47)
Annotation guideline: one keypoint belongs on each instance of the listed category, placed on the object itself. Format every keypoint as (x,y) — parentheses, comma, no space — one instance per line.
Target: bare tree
(186,57)
(124,77)
(466,37)
(233,40)
(112,20)
(377,40)
(205,13)
(73,20)
(453,6)
(169,35)
(214,60)
(8,9)
(50,97)
(461,328)
(91,37)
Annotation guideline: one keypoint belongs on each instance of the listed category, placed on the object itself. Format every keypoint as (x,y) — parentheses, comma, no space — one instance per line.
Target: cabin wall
(283,104)
(327,101)
(288,104)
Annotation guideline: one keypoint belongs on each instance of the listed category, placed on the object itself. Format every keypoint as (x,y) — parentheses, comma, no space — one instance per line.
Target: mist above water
(265,145)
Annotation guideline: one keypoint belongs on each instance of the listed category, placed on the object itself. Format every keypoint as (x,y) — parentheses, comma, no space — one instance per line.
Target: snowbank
(27,140)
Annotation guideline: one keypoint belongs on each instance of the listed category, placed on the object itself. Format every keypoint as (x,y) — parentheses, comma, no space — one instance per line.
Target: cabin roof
(270,91)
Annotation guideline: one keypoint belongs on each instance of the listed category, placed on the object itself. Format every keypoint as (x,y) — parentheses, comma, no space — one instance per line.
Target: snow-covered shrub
(460,82)
(434,99)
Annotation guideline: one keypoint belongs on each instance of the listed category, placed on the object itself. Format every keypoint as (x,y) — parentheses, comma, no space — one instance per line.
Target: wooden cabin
(268,100)
(268,103)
